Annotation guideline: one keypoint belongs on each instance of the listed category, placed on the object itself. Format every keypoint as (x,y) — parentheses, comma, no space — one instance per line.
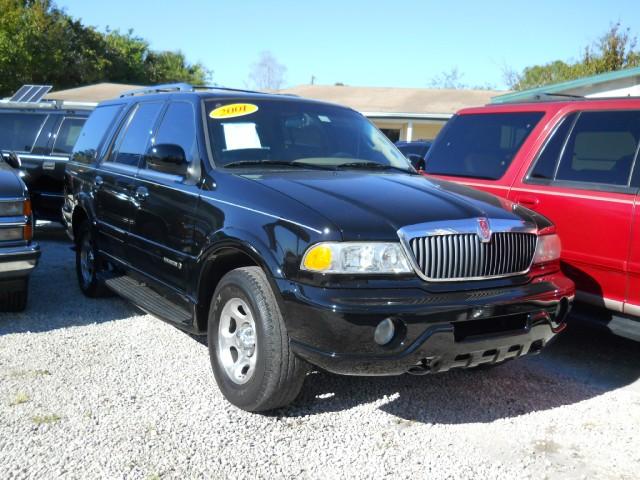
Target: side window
(67,135)
(178,127)
(135,134)
(93,132)
(601,148)
(545,166)
(18,131)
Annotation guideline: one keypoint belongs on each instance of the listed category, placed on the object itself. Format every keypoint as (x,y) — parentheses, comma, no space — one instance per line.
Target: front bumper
(334,328)
(18,262)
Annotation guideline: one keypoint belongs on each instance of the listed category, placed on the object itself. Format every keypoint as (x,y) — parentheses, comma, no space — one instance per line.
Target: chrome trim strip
(441,229)
(47,158)
(265,214)
(13,199)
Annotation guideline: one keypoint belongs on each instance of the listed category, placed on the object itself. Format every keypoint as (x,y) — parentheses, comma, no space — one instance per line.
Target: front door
(115,180)
(161,241)
(582,181)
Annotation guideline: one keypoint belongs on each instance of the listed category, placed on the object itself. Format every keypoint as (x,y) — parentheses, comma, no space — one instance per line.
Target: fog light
(385,332)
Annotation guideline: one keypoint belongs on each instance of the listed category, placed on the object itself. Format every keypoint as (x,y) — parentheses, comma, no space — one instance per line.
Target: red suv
(574,161)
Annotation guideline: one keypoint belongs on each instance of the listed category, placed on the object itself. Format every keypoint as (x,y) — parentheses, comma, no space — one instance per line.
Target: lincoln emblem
(484,231)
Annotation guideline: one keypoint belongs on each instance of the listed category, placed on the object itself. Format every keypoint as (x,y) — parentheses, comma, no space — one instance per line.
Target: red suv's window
(480,145)
(596,148)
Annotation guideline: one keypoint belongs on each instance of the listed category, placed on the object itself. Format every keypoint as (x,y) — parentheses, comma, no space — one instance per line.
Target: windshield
(480,145)
(297,134)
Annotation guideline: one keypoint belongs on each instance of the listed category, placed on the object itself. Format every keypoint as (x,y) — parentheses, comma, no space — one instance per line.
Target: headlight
(355,258)
(12,209)
(548,249)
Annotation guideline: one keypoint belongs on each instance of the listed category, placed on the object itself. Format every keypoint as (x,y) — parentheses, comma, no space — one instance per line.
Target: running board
(148,300)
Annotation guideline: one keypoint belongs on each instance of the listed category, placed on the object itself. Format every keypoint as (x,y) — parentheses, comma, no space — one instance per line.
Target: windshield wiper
(373,166)
(274,163)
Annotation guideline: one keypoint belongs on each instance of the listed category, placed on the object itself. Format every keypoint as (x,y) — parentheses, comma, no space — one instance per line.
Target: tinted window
(18,131)
(480,145)
(300,132)
(93,132)
(601,148)
(178,128)
(546,164)
(68,134)
(135,134)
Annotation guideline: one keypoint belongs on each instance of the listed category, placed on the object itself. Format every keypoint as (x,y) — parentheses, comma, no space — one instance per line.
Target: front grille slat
(462,256)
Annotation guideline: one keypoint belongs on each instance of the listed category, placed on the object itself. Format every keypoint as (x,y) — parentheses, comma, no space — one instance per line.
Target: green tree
(615,50)
(40,43)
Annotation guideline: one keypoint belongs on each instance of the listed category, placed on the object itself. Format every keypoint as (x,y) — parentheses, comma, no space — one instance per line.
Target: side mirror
(167,158)
(416,160)
(12,159)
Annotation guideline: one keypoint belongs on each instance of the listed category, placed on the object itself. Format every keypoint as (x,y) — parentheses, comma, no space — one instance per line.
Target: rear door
(582,181)
(161,242)
(115,180)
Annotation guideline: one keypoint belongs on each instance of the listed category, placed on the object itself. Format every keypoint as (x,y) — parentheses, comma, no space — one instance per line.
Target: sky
(365,43)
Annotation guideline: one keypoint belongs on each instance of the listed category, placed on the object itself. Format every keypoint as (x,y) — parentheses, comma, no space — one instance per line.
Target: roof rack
(180,87)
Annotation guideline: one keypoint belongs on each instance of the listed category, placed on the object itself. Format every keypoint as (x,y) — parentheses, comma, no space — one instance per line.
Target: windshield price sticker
(233,110)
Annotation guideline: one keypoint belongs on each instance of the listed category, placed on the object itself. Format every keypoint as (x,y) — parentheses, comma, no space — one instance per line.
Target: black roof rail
(165,87)
(186,87)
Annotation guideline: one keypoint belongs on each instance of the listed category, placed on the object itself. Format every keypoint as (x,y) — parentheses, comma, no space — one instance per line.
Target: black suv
(293,232)
(18,253)
(42,136)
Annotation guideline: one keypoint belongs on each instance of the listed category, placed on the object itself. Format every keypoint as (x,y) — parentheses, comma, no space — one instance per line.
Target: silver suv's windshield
(297,134)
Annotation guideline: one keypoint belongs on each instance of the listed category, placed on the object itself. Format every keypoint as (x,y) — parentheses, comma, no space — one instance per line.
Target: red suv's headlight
(548,249)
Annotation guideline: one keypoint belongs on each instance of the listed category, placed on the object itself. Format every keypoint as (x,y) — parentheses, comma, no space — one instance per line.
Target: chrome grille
(463,256)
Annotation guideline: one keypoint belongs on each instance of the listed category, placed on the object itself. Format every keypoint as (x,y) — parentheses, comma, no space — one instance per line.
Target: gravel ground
(97,389)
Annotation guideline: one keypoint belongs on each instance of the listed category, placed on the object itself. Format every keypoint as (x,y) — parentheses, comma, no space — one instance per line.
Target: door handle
(526,201)
(97,183)
(142,193)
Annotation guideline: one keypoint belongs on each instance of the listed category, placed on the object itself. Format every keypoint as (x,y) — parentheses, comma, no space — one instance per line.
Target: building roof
(383,102)
(397,102)
(91,93)
(586,86)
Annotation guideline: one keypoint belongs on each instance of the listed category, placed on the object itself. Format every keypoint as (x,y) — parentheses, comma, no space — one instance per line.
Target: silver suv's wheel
(237,349)
(249,349)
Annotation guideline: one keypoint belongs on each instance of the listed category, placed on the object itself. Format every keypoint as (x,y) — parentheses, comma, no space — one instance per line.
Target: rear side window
(67,135)
(18,131)
(93,132)
(135,134)
(480,145)
(601,148)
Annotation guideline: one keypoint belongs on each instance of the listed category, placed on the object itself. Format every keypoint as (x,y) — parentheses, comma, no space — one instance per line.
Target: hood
(373,206)
(10,183)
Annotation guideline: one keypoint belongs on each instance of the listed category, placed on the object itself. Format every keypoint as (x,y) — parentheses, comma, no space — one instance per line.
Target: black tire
(14,299)
(89,279)
(278,375)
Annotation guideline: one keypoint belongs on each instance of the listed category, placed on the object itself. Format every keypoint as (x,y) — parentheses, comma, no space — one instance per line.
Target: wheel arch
(219,259)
